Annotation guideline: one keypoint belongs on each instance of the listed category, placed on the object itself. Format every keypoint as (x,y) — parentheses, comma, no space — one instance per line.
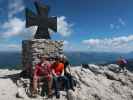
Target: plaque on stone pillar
(41,43)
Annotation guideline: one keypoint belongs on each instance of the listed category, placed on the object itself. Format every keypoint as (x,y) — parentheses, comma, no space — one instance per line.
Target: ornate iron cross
(41,20)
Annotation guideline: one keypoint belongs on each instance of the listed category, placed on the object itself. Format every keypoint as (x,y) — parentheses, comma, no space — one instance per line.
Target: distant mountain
(129,55)
(130,64)
(9,59)
(75,58)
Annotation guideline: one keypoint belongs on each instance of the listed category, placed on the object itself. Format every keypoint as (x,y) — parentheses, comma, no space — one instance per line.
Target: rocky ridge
(93,83)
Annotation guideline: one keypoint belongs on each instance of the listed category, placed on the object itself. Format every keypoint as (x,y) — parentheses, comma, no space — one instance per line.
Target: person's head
(62,58)
(51,60)
(121,57)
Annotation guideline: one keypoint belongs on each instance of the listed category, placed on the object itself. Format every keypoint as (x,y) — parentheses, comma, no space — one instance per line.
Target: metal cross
(41,20)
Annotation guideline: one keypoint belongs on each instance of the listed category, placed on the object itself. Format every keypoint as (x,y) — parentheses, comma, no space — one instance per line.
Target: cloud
(112,26)
(111,44)
(10,46)
(68,46)
(121,21)
(63,27)
(66,42)
(32,30)
(16,27)
(14,46)
(109,41)
(118,24)
(13,27)
(15,6)
(71,46)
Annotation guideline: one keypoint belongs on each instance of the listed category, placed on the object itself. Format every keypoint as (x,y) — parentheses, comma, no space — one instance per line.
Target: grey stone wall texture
(32,48)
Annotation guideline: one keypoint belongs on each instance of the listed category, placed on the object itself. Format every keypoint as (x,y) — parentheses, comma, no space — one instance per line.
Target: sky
(84,25)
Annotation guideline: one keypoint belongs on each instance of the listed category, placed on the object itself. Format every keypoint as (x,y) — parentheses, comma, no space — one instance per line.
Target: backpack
(124,61)
(74,80)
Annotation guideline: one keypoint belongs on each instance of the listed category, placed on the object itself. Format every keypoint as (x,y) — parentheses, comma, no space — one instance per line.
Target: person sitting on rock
(67,71)
(43,72)
(122,63)
(58,75)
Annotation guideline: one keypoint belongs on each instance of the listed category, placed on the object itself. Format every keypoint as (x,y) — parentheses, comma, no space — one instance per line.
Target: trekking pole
(69,69)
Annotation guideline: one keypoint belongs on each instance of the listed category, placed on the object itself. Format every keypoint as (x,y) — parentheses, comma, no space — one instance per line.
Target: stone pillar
(31,49)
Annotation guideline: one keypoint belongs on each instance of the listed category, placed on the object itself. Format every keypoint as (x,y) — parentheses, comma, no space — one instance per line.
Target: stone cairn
(32,48)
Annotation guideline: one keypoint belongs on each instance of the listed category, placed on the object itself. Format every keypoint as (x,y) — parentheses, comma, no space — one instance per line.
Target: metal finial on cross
(41,20)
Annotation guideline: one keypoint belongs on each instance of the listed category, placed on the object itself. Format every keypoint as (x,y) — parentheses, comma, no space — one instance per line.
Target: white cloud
(112,26)
(68,46)
(32,30)
(109,41)
(10,47)
(119,23)
(66,42)
(115,44)
(15,6)
(16,27)
(13,27)
(71,46)
(15,46)
(63,27)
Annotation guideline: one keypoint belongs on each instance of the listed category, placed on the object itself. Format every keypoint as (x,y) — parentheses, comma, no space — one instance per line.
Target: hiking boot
(50,94)
(34,95)
(57,95)
(73,89)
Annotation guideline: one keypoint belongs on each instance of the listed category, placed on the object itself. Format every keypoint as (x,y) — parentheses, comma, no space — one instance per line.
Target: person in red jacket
(58,75)
(43,72)
(122,63)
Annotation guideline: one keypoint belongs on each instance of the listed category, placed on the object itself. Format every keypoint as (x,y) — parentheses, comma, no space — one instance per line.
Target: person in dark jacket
(67,71)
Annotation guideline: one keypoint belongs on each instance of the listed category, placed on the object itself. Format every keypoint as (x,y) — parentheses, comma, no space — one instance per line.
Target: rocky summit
(93,83)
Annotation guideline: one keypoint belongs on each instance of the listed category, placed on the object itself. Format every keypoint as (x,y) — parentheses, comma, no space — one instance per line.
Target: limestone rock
(91,85)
